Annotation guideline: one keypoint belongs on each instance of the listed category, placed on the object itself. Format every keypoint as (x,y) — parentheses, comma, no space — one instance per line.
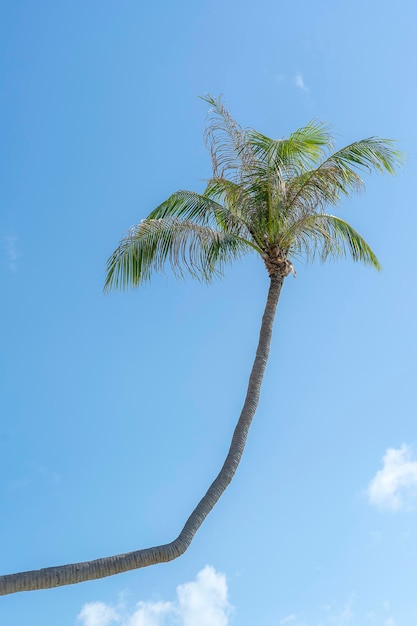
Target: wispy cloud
(201,602)
(299,82)
(394,487)
(11,252)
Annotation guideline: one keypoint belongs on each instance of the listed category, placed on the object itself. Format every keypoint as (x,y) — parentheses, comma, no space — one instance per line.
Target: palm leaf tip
(373,154)
(328,236)
(348,241)
(212,101)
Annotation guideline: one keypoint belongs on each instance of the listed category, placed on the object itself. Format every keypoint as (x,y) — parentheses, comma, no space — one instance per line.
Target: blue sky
(117,411)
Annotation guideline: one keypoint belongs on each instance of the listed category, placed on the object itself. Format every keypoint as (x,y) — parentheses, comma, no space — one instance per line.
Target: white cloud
(201,602)
(394,487)
(299,82)
(204,601)
(97,614)
(149,614)
(289,619)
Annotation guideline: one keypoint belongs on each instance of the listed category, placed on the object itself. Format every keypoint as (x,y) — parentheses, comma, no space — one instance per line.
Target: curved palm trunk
(108,566)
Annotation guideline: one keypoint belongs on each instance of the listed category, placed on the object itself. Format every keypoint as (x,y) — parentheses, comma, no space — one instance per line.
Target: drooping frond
(338,175)
(188,247)
(225,139)
(372,154)
(327,236)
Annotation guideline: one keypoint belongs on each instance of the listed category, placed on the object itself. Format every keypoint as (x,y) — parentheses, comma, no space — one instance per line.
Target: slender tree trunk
(108,566)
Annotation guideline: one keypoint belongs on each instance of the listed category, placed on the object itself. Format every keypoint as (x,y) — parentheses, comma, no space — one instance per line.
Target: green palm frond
(202,209)
(288,157)
(188,247)
(372,154)
(247,204)
(327,236)
(239,204)
(278,162)
(338,175)
(227,192)
(206,210)
(189,205)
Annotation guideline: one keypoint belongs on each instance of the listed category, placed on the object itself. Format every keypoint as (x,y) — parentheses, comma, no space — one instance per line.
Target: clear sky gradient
(117,411)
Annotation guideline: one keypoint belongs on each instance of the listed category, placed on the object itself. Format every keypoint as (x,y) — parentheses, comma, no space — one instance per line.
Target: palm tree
(266,196)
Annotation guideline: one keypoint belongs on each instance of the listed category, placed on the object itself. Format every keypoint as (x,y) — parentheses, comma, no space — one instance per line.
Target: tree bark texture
(49,577)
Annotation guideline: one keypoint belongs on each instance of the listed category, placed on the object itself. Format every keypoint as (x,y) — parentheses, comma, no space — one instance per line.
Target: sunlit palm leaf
(286,158)
(370,154)
(277,163)
(338,175)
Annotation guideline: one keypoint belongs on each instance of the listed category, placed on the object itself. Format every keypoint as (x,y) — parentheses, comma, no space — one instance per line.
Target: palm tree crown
(268,196)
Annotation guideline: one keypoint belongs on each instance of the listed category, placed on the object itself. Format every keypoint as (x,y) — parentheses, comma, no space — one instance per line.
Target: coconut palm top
(269,196)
